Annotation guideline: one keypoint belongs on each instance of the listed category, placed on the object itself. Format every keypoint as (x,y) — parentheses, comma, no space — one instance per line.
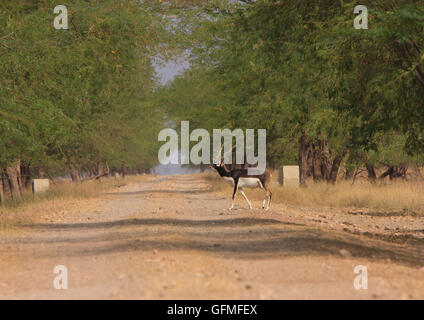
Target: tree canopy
(325,91)
(79,96)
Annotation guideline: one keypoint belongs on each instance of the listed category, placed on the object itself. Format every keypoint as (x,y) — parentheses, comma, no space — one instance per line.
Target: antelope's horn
(219,153)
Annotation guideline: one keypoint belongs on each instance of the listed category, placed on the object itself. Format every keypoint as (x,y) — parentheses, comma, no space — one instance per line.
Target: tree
(76,98)
(301,70)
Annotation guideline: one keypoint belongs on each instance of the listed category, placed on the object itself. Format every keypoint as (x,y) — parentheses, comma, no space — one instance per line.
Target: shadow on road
(169,191)
(165,221)
(240,238)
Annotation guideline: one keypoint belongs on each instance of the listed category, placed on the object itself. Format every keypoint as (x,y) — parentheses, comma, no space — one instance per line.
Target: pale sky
(166,73)
(169,70)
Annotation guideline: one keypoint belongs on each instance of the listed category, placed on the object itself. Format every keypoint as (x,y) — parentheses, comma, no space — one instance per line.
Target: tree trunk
(4,181)
(25,175)
(100,169)
(326,161)
(388,172)
(349,173)
(335,168)
(13,176)
(123,170)
(400,172)
(324,166)
(395,172)
(317,170)
(281,175)
(1,188)
(304,148)
(310,162)
(89,172)
(371,172)
(75,176)
(350,165)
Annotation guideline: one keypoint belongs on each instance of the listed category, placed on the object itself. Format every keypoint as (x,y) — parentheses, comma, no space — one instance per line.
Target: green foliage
(301,68)
(296,68)
(77,96)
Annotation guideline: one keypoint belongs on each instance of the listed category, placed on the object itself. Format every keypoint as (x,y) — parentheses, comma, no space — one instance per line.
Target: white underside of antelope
(250,183)
(244,182)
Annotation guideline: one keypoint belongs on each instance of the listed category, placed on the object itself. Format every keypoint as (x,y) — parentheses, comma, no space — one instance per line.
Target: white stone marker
(40,185)
(290,175)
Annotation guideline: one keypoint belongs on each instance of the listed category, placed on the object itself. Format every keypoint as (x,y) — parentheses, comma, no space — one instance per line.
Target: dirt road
(172,238)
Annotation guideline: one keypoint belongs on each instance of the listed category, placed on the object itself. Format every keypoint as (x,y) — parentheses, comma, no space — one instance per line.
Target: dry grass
(62,196)
(400,196)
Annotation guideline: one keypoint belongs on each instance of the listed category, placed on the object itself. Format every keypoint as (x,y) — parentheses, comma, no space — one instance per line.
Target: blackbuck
(239,179)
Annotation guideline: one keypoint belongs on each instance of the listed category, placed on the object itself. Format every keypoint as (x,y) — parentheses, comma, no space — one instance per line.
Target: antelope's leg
(234,194)
(263,202)
(269,195)
(266,195)
(244,195)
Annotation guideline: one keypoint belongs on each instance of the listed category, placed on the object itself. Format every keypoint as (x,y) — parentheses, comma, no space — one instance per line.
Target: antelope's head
(218,162)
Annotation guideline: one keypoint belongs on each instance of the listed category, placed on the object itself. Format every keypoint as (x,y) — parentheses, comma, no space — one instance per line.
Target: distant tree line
(85,101)
(76,101)
(329,95)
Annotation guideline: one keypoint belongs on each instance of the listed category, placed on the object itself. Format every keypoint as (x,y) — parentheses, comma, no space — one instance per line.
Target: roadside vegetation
(330,96)
(62,197)
(86,102)
(76,102)
(381,198)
